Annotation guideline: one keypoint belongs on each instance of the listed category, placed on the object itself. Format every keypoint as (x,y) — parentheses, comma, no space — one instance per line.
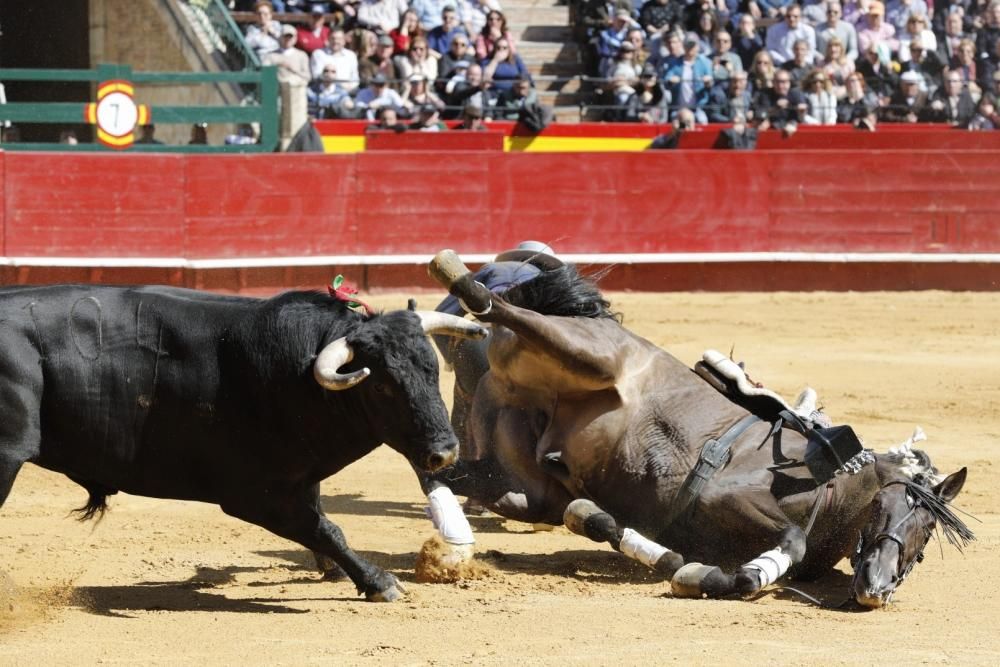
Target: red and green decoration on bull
(116,114)
(342,290)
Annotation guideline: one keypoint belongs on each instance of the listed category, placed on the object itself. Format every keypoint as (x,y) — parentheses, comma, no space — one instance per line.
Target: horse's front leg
(583,517)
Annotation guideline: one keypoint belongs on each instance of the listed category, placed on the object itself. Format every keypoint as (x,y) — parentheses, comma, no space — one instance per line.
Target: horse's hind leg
(583,517)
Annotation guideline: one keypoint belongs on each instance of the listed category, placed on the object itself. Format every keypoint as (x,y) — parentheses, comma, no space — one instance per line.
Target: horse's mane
(954,529)
(562,292)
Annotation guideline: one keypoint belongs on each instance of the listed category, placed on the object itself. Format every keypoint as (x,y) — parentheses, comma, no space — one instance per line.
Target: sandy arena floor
(164,582)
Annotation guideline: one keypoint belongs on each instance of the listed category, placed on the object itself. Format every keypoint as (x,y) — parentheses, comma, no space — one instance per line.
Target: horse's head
(904,515)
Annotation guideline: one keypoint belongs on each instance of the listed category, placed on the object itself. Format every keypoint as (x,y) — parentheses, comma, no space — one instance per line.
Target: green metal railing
(263,110)
(216,25)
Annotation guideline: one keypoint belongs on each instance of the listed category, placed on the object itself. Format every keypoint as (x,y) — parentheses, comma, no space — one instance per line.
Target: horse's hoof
(391,593)
(686,582)
(747,582)
(577,513)
(668,564)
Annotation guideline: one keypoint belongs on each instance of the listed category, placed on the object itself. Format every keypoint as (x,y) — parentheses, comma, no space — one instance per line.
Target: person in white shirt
(344,59)
(781,37)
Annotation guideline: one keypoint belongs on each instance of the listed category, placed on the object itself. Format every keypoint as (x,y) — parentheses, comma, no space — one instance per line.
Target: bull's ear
(952,484)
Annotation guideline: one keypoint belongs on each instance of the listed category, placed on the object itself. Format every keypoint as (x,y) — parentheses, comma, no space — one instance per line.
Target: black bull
(241,402)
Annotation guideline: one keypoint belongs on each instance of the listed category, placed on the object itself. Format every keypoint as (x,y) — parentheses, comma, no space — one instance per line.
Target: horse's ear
(952,484)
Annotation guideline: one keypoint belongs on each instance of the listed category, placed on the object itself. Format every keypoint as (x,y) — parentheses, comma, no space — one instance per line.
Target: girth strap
(714,456)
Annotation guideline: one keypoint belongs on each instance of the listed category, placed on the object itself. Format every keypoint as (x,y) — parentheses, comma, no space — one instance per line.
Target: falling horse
(579,421)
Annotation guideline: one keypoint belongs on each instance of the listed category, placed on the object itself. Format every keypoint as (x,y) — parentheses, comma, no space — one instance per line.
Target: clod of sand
(439,562)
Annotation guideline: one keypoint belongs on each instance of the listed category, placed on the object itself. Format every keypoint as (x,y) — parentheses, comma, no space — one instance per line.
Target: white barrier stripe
(639,548)
(580,258)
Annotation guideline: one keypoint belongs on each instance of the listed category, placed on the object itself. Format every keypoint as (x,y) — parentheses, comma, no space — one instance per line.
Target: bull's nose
(445,456)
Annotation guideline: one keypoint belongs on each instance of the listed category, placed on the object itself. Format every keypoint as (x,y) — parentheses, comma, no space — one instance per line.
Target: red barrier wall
(414,203)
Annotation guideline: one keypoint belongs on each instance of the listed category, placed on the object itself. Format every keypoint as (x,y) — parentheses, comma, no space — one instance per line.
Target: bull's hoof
(389,593)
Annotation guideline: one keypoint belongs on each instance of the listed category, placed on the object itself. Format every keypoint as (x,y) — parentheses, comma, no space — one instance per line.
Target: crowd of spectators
(770,63)
(775,63)
(397,64)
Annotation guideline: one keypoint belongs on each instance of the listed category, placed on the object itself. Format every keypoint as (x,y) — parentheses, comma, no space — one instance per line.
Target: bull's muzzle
(441,457)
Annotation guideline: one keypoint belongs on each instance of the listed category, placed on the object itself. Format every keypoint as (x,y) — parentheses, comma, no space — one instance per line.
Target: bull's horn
(449,325)
(327,365)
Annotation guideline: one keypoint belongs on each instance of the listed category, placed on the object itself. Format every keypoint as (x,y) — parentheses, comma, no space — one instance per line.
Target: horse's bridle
(903,569)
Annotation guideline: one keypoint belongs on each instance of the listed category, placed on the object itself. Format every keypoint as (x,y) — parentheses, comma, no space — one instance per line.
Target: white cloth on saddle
(448,517)
(730,370)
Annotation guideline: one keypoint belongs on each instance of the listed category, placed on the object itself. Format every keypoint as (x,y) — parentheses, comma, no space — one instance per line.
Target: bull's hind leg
(325,564)
(585,518)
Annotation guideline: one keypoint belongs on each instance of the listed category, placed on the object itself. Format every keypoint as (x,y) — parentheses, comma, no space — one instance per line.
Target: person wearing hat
(874,30)
(648,104)
(689,80)
(314,36)
(781,36)
(292,62)
(472,118)
(427,119)
(376,95)
(379,61)
(908,103)
(420,94)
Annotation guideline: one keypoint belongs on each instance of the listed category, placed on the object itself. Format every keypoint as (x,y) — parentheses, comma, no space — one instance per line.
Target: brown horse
(578,420)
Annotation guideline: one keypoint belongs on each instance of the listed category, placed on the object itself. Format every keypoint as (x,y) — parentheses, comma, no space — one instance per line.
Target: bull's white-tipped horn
(326,369)
(447,324)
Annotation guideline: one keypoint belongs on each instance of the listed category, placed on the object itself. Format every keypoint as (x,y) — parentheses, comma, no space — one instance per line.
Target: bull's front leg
(294,516)
(331,571)
(583,517)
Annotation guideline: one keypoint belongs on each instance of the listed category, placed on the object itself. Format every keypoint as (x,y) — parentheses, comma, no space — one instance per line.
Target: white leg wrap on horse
(639,548)
(771,565)
(448,517)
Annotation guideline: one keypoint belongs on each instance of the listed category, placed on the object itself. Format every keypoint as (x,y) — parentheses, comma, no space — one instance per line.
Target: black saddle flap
(828,449)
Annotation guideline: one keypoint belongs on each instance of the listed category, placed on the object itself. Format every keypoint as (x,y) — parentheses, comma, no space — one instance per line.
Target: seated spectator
(428,119)
(837,66)
(987,67)
(429,12)
(408,28)
(245,135)
(865,118)
(657,17)
(199,135)
(147,135)
(504,67)
(965,63)
(705,29)
(728,102)
(899,12)
(494,30)
(991,86)
(725,62)
(907,104)
(263,35)
(510,102)
(878,75)
(363,42)
(665,54)
(772,9)
(377,95)
(917,30)
(473,13)
(459,51)
(690,81)
(327,98)
(926,64)
(345,61)
(781,36)
(68,137)
(623,63)
(610,40)
(472,118)
(986,117)
(747,41)
(470,90)
(876,32)
(989,34)
(800,64)
(637,38)
(387,118)
(836,27)
(649,103)
(761,72)
(594,16)
(439,39)
(948,41)
(952,103)
(417,60)
(381,16)
(314,36)
(739,137)
(822,103)
(380,61)
(856,98)
(455,78)
(782,106)
(613,100)
(420,94)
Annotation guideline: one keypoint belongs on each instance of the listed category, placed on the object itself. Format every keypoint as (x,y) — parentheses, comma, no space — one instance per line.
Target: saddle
(830,448)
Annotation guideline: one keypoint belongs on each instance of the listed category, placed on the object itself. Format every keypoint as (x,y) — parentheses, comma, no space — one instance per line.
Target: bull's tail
(97,501)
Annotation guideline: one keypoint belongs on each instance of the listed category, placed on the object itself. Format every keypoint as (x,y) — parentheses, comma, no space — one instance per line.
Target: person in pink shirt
(876,31)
